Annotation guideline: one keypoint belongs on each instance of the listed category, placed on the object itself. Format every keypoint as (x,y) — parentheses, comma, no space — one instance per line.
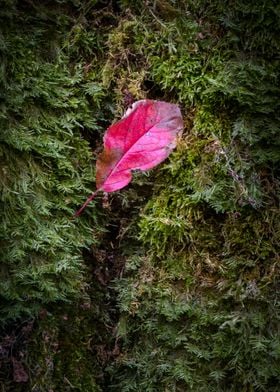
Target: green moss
(200,310)
(198,297)
(64,350)
(46,104)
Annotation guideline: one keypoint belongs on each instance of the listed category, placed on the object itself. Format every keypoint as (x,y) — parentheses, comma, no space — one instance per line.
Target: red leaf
(142,139)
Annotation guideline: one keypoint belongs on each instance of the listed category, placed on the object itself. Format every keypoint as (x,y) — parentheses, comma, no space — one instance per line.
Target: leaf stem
(89,199)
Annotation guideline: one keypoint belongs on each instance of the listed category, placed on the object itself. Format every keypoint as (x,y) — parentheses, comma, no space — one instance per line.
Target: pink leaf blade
(142,139)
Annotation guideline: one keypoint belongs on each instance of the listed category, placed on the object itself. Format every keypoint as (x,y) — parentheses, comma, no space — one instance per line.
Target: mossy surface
(172,284)
(199,308)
